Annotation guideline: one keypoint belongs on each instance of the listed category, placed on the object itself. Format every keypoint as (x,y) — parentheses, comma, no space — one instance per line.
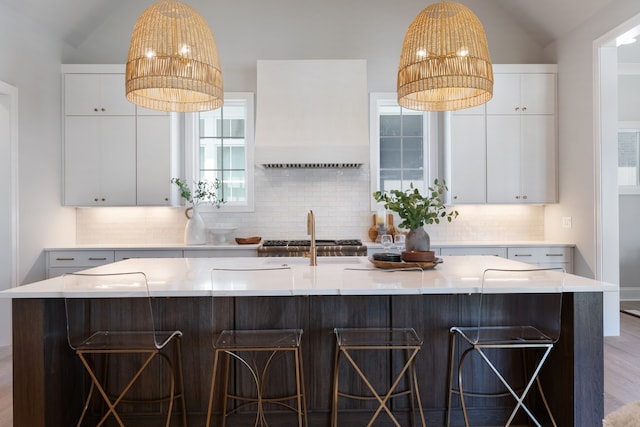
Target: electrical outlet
(566,222)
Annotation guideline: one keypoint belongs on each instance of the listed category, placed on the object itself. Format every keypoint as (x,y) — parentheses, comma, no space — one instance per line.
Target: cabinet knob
(95,200)
(524,108)
(517,108)
(524,197)
(103,109)
(166,199)
(103,199)
(455,197)
(95,109)
(517,197)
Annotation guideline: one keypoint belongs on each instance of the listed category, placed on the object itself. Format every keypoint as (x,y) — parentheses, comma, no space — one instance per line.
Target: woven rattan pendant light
(173,60)
(445,63)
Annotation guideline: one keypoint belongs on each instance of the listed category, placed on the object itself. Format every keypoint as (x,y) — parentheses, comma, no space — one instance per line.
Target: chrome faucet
(311,230)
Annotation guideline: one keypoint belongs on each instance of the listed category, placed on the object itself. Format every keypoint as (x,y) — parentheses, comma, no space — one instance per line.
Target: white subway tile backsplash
(341,202)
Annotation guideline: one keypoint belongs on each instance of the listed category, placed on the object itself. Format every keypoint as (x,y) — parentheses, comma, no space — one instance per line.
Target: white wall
(576,134)
(31,62)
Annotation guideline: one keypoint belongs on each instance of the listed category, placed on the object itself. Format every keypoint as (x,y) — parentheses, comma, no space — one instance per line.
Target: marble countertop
(183,277)
(235,246)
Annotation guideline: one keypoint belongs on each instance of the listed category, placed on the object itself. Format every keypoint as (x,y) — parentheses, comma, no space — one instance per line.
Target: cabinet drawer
(79,258)
(540,254)
(126,254)
(494,251)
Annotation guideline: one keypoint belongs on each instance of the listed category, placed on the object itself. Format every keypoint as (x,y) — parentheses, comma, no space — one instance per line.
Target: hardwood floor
(621,369)
(622,362)
(6,394)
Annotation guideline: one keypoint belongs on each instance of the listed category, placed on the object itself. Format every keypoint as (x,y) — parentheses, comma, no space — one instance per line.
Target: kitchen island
(339,292)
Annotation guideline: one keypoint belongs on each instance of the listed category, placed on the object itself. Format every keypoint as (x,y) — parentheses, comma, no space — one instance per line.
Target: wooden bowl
(418,256)
(248,240)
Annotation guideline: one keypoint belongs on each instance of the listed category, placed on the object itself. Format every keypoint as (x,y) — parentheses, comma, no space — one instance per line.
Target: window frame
(431,157)
(192,153)
(629,189)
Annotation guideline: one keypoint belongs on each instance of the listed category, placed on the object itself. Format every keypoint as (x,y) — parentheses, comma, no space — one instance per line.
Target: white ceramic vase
(195,233)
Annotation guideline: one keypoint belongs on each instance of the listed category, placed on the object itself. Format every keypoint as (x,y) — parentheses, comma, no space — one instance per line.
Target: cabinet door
(153,160)
(82,161)
(96,94)
(538,93)
(100,161)
(118,161)
(467,159)
(503,159)
(538,159)
(506,94)
(527,93)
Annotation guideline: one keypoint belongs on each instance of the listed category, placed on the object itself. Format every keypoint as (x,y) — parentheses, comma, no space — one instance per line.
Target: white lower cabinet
(61,262)
(150,253)
(483,250)
(552,256)
(543,256)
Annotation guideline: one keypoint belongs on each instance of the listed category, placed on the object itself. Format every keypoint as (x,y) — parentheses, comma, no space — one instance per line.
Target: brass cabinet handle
(523,255)
(524,197)
(65,259)
(524,108)
(554,254)
(97,259)
(517,108)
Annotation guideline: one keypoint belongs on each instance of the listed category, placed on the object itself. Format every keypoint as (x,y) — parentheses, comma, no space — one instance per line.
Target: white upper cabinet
(116,154)
(523,93)
(153,160)
(505,150)
(100,161)
(96,94)
(466,156)
(521,137)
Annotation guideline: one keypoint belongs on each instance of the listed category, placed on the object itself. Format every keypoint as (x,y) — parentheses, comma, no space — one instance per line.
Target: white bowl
(221,234)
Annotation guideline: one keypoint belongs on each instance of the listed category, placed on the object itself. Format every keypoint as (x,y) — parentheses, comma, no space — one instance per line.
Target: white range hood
(312,113)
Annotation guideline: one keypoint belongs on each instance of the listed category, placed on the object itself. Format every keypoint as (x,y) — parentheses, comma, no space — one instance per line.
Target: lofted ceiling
(544,20)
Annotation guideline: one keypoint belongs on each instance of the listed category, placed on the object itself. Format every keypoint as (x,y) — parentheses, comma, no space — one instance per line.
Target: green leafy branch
(204,191)
(414,209)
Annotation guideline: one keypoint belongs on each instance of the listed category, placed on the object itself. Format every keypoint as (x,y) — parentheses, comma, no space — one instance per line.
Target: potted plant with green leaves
(415,210)
(204,191)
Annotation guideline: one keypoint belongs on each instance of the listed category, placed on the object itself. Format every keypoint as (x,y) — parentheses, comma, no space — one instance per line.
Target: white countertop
(234,246)
(183,277)
(154,246)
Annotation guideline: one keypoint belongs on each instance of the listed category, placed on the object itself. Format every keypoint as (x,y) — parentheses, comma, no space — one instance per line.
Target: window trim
(192,153)
(431,158)
(628,189)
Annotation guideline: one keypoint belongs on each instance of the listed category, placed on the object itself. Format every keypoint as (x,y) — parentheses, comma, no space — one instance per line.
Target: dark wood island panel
(49,382)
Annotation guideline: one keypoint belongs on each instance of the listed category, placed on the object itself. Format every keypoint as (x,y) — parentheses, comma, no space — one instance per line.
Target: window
(403,148)
(629,157)
(223,149)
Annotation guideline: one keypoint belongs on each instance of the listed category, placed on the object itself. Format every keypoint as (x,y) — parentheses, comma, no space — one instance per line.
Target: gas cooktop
(287,243)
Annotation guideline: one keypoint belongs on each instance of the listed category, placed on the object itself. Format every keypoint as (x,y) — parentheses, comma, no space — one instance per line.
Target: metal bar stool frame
(286,341)
(481,337)
(149,343)
(278,342)
(411,346)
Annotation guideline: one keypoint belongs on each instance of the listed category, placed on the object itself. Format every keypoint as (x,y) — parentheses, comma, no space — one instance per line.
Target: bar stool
(123,325)
(352,341)
(256,352)
(530,326)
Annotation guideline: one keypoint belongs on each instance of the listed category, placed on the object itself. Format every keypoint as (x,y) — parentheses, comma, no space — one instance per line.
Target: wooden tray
(248,240)
(402,264)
